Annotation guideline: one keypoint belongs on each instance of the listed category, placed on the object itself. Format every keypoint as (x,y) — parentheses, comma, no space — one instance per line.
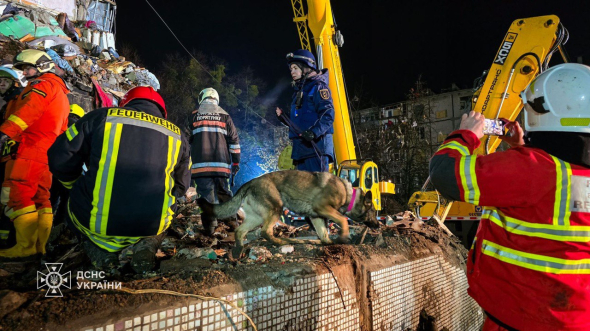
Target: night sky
(387,44)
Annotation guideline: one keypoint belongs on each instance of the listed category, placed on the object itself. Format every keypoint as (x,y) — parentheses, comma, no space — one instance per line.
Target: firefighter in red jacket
(41,114)
(529,266)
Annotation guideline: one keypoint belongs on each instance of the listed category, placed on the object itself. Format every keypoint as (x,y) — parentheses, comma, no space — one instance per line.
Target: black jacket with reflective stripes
(138,164)
(215,145)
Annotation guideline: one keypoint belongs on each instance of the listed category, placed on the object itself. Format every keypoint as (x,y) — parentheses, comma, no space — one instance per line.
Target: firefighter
(12,83)
(137,163)
(529,266)
(40,115)
(312,112)
(215,151)
(58,193)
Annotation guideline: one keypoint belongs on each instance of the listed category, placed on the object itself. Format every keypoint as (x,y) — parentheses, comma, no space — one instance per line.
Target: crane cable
(199,63)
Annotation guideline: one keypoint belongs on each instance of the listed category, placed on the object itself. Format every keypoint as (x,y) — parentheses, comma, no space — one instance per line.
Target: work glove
(3,138)
(235,168)
(308,135)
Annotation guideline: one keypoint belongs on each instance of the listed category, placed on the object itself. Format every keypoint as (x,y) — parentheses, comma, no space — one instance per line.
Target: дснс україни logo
(53,280)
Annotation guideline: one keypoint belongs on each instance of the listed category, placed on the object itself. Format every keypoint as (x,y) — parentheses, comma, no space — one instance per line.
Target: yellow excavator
(525,52)
(319,20)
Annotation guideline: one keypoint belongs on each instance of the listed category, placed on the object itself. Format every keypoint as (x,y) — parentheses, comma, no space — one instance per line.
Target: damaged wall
(57,6)
(392,296)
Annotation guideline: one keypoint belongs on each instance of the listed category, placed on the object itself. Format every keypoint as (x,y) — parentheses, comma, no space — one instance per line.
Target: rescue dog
(316,195)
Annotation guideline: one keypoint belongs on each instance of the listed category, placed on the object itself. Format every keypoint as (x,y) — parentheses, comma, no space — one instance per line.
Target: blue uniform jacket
(316,114)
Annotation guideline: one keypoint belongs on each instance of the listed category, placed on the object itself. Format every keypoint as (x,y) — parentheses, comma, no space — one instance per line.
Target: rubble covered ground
(189,262)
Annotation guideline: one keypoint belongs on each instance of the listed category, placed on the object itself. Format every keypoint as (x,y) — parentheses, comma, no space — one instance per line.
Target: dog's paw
(342,240)
(236,253)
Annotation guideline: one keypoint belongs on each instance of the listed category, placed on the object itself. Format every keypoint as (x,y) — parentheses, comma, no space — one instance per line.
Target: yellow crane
(524,52)
(319,19)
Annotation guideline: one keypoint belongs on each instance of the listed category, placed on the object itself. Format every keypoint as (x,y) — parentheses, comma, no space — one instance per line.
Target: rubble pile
(84,53)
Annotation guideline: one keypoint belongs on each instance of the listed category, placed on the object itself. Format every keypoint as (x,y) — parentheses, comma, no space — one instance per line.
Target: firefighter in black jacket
(58,194)
(138,165)
(215,151)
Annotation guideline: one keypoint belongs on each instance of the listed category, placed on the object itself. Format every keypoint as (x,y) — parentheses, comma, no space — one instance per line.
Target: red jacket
(529,266)
(40,115)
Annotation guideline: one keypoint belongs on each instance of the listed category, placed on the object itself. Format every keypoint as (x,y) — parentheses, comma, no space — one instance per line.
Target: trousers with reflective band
(25,188)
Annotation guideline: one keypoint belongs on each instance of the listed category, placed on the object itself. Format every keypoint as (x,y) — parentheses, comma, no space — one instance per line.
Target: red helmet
(147,93)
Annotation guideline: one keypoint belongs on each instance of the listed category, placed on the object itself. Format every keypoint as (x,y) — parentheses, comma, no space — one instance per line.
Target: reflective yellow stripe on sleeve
(72,132)
(464,150)
(103,186)
(169,199)
(563,183)
(18,121)
(535,261)
(469,179)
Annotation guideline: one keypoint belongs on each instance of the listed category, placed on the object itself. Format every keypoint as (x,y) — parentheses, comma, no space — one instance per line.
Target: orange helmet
(147,93)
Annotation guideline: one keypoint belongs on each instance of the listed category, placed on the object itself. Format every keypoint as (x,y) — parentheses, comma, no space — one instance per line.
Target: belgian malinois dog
(317,195)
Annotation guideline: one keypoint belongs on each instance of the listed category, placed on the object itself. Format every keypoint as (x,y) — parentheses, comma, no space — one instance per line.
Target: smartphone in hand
(494,127)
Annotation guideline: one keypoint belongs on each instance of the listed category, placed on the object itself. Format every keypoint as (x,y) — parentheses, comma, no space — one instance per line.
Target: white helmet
(208,93)
(559,100)
(14,73)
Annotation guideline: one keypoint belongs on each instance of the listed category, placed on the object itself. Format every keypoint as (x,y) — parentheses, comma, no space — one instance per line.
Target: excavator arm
(524,52)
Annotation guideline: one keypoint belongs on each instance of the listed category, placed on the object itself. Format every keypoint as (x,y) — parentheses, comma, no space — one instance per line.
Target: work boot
(26,236)
(45,223)
(100,258)
(209,224)
(144,254)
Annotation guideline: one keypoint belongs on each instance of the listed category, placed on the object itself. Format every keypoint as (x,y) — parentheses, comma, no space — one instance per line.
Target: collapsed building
(409,275)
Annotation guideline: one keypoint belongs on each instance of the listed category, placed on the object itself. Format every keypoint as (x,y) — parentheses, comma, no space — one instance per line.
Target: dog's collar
(352,200)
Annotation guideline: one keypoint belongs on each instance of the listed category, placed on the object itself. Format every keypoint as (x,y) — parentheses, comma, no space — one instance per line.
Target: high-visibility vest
(529,266)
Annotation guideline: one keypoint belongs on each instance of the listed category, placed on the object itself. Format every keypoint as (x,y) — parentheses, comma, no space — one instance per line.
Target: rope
(149,291)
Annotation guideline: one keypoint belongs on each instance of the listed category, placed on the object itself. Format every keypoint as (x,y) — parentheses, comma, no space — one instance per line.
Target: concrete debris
(287,249)
(10,301)
(259,253)
(196,252)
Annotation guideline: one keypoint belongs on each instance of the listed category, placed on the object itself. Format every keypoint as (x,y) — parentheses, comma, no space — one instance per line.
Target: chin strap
(352,200)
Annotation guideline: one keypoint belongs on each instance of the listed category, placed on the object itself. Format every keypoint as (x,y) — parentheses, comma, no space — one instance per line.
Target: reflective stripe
(469,179)
(68,185)
(110,244)
(72,132)
(143,124)
(473,243)
(456,146)
(210,169)
(220,130)
(535,261)
(18,121)
(12,214)
(104,178)
(45,211)
(235,151)
(169,199)
(211,164)
(234,146)
(547,231)
(561,212)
